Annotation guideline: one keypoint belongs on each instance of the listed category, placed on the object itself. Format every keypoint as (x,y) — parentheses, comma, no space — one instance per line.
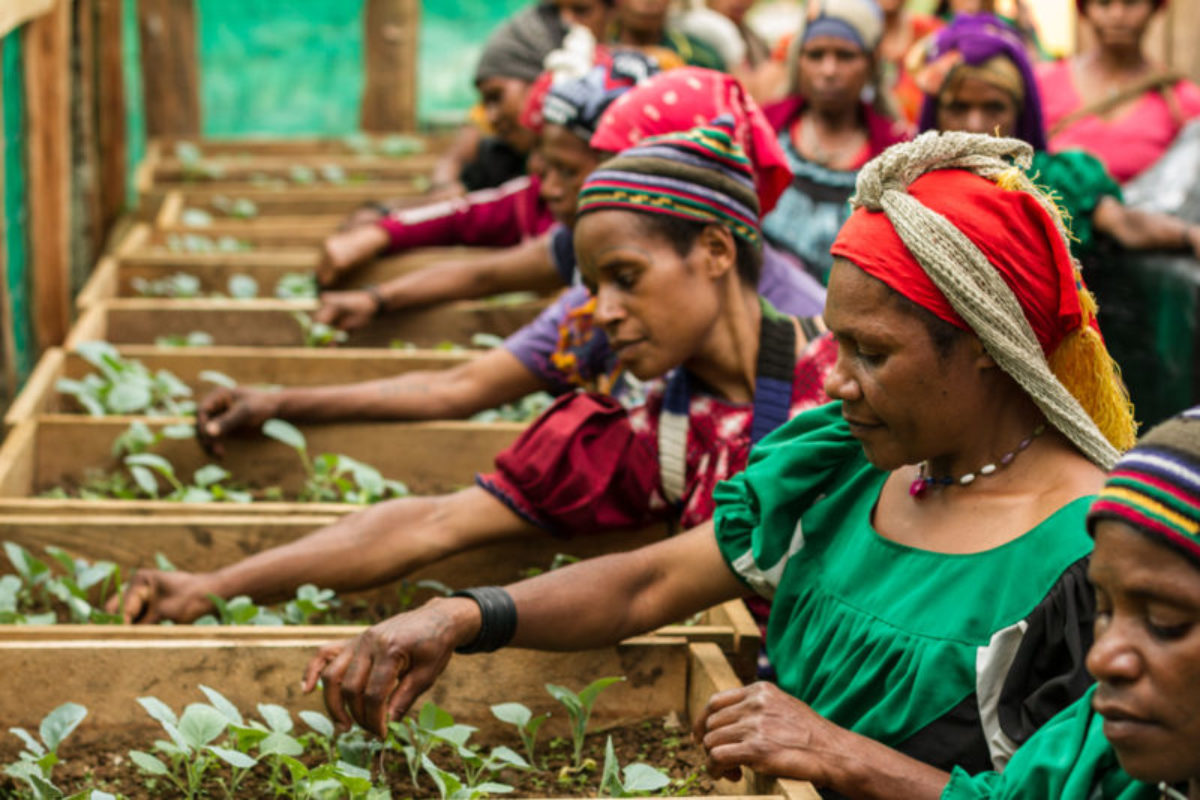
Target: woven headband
(1155,487)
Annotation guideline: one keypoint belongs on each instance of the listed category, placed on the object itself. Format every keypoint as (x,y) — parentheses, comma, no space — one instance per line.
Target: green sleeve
(1067,759)
(757,510)
(1078,182)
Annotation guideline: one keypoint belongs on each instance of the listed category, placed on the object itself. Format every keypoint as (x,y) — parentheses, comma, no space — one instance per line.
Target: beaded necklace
(922,483)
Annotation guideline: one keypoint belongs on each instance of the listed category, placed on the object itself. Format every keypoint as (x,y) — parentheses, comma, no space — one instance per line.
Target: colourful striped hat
(1155,487)
(701,175)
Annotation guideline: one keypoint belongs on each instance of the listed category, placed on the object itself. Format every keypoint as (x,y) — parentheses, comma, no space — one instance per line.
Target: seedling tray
(41,453)
(270,323)
(663,675)
(280,366)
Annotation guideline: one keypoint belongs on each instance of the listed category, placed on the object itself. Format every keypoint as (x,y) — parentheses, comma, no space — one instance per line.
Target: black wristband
(377,296)
(498,619)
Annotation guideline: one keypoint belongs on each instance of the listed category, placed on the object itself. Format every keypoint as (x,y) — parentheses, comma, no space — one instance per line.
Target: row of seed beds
(100,475)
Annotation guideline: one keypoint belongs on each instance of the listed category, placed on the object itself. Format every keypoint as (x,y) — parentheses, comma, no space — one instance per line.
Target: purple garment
(784,282)
(979,37)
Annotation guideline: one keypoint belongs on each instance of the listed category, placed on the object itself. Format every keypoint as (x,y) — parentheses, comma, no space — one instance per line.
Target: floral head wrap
(1155,487)
(949,222)
(681,99)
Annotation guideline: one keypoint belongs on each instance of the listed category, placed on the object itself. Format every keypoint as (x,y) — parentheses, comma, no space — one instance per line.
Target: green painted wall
(15,243)
(135,99)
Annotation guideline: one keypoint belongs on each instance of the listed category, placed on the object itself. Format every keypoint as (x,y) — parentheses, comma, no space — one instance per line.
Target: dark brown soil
(665,744)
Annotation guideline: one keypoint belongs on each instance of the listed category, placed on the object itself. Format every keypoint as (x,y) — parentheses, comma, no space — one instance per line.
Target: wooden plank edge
(33,398)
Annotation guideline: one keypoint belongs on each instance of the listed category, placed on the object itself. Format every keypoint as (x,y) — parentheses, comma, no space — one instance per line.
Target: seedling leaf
(512,713)
(218,378)
(640,779)
(286,432)
(200,724)
(35,747)
(222,704)
(148,763)
(232,757)
(276,717)
(158,710)
(59,723)
(318,722)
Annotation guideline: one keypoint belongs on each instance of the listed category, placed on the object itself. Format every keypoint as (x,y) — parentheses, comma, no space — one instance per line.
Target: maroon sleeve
(580,468)
(486,218)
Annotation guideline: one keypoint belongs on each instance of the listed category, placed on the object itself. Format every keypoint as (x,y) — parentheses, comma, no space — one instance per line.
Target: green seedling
(197,243)
(333,173)
(125,386)
(297,286)
(242,287)
(451,787)
(331,477)
(40,754)
(519,716)
(302,175)
(193,339)
(309,605)
(238,208)
(318,334)
(38,586)
(196,218)
(636,780)
(523,410)
(579,710)
(178,286)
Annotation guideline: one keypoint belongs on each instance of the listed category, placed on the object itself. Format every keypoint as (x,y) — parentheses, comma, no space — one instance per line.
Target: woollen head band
(1049,344)
(700,175)
(1155,487)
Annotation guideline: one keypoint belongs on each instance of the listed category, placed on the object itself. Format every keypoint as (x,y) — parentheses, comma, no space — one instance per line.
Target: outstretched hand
(348,310)
(153,596)
(224,411)
(373,678)
(765,729)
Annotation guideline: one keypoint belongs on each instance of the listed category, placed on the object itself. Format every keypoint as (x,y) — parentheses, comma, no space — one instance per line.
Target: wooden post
(47,42)
(110,102)
(169,68)
(390,93)
(7,332)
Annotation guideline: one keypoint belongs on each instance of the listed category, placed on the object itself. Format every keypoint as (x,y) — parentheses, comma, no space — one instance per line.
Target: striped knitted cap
(701,175)
(1155,487)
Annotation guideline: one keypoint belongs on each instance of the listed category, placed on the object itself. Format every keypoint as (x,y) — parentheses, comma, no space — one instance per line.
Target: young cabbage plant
(193,339)
(318,334)
(579,709)
(125,386)
(519,716)
(451,787)
(39,755)
(636,780)
(189,750)
(238,208)
(242,287)
(297,286)
(332,477)
(176,286)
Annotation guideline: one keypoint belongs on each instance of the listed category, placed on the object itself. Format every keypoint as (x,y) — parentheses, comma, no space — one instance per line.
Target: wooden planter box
(246,365)
(201,542)
(253,169)
(269,323)
(300,147)
(431,457)
(664,675)
(115,278)
(328,201)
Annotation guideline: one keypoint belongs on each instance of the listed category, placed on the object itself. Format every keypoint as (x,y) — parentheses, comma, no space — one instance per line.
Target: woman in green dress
(922,539)
(1142,719)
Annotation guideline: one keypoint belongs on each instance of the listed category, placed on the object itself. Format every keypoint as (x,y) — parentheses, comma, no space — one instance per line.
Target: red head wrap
(1012,230)
(680,100)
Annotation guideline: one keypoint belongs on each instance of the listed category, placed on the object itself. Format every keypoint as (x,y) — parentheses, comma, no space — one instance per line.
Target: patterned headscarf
(578,103)
(519,46)
(1155,487)
(982,43)
(700,175)
(950,222)
(684,98)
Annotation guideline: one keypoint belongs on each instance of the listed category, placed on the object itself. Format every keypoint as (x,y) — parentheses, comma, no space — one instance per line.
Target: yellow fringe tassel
(1082,363)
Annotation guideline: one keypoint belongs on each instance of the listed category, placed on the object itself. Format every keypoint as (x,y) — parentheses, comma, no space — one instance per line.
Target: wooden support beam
(169,67)
(390,93)
(47,43)
(110,110)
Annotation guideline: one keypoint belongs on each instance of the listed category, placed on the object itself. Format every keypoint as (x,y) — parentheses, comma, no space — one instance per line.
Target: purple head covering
(978,38)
